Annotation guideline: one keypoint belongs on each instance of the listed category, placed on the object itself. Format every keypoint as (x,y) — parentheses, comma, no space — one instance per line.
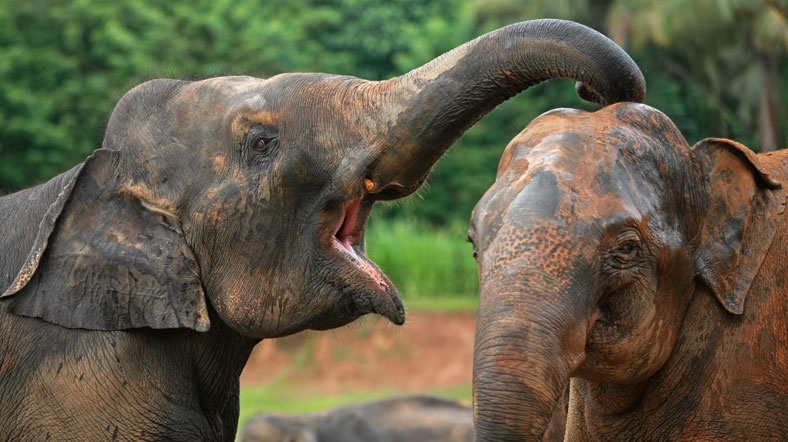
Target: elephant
(220,212)
(646,275)
(407,418)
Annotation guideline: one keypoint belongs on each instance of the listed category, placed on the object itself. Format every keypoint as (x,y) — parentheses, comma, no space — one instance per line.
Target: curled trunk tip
(429,108)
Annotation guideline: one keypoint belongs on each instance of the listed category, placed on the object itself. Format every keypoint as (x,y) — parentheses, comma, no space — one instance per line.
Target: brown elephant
(224,211)
(651,274)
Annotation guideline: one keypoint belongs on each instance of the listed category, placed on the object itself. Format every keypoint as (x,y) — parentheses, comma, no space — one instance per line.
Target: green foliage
(377,40)
(273,398)
(423,262)
(730,50)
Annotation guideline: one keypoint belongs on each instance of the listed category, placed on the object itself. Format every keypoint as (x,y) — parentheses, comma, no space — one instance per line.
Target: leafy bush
(422,261)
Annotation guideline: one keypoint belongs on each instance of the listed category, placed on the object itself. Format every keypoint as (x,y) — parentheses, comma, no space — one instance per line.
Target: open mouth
(348,232)
(343,235)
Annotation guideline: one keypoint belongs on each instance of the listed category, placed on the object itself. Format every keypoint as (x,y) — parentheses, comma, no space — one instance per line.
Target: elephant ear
(105,259)
(740,221)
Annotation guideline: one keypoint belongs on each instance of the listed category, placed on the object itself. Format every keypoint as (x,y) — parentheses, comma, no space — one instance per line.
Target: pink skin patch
(343,236)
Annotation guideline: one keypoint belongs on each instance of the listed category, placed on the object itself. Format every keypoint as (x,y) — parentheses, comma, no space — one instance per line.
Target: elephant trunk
(429,108)
(523,360)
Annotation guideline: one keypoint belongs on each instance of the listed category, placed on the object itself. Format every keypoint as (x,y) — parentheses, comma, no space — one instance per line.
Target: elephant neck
(596,409)
(219,356)
(602,411)
(648,411)
(613,399)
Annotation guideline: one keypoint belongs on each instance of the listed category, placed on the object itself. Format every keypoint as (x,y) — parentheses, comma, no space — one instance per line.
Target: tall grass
(423,262)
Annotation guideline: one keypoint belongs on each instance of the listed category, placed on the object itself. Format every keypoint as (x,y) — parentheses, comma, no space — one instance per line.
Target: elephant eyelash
(625,255)
(624,250)
(629,248)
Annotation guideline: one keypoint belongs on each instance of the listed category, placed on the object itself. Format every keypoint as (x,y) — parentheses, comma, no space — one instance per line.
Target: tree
(733,49)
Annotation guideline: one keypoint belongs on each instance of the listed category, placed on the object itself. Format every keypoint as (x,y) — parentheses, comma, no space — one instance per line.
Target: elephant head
(598,232)
(253,193)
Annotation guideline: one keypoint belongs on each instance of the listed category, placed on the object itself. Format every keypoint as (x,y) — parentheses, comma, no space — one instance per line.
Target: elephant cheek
(236,313)
(255,314)
(619,353)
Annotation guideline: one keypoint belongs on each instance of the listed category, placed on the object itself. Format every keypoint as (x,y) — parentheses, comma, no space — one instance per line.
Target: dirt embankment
(431,351)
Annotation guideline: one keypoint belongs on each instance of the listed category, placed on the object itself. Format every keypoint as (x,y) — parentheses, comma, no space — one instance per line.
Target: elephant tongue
(388,303)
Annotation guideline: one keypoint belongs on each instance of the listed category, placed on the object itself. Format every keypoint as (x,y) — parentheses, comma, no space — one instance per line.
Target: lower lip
(346,247)
(361,263)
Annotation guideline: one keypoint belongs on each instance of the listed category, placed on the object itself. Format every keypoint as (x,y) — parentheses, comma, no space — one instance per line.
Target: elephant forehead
(564,153)
(228,99)
(569,145)
(228,86)
(568,191)
(600,167)
(564,171)
(213,94)
(531,189)
(541,202)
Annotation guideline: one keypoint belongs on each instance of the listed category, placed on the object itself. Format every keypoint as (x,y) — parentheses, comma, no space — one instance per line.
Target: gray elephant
(421,418)
(220,212)
(648,276)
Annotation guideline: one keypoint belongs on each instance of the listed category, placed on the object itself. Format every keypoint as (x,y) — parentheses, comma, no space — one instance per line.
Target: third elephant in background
(407,418)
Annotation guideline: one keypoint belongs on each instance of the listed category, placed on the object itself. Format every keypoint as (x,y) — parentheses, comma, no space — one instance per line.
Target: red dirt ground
(431,351)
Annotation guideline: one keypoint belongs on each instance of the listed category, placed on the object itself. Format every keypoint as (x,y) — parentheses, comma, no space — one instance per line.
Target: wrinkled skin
(399,419)
(649,273)
(220,212)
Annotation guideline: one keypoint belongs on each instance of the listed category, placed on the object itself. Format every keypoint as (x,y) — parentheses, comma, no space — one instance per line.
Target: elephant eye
(626,251)
(265,143)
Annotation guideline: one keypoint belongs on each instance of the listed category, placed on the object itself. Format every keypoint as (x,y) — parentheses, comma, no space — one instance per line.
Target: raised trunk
(428,108)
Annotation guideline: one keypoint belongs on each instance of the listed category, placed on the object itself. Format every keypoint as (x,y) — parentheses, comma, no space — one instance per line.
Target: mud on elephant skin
(650,273)
(220,212)
(407,418)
